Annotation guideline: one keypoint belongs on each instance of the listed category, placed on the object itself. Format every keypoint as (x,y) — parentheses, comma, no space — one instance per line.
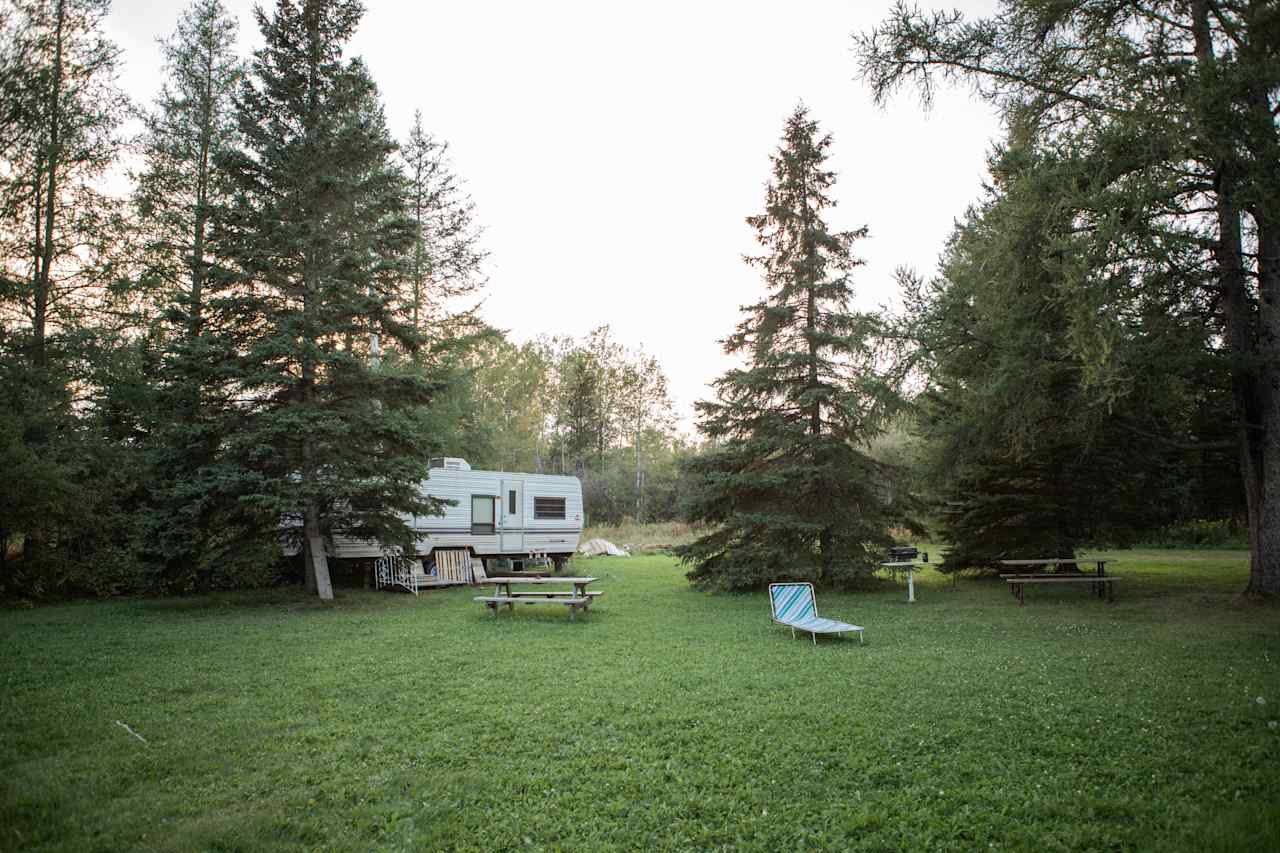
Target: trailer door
(513,516)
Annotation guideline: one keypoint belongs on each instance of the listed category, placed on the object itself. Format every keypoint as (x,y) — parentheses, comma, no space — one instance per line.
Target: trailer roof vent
(450,463)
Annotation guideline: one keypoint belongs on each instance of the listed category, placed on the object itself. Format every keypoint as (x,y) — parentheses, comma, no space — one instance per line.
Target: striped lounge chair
(794,607)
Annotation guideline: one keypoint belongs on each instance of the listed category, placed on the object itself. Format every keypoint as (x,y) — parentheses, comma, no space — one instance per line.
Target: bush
(1200,533)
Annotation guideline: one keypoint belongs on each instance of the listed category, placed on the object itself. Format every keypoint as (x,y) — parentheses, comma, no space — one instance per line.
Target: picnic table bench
(579,598)
(1100,583)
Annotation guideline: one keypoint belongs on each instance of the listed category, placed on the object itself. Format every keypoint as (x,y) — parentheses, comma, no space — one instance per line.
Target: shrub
(1200,533)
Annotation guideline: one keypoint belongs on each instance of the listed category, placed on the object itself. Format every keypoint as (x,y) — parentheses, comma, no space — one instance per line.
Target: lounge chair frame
(794,605)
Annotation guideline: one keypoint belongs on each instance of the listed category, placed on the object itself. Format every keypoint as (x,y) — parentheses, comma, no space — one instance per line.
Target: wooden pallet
(453,565)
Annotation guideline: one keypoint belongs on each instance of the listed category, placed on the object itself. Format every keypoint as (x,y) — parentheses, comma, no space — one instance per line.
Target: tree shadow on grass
(291,599)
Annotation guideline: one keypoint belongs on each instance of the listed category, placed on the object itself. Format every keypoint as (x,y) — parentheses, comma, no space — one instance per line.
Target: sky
(613,150)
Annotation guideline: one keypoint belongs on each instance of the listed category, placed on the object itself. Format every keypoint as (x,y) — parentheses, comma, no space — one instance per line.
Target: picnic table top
(1061,579)
(509,599)
(507,580)
(1053,561)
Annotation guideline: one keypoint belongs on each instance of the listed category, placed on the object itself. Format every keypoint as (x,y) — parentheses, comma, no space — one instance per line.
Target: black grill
(905,554)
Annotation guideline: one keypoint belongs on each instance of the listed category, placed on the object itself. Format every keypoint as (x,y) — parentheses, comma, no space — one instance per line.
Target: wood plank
(518,579)
(1057,561)
(1081,579)
(453,564)
(1029,575)
(507,599)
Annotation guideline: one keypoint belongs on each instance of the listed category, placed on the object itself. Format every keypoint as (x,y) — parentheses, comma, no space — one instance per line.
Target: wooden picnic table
(909,568)
(1062,561)
(1099,582)
(579,598)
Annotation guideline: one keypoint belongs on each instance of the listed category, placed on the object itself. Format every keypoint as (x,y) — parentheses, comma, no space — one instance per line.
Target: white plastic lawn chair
(793,606)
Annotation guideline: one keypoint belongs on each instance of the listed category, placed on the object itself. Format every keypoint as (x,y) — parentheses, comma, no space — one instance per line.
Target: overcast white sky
(613,150)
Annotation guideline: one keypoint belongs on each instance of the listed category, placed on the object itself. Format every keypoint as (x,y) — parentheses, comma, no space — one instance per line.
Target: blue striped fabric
(792,602)
(793,605)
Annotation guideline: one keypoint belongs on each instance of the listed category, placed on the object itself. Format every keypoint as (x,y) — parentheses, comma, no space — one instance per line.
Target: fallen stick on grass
(125,726)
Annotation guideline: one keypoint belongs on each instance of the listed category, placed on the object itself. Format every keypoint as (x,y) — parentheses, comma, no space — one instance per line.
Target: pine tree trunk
(1264,515)
(32,548)
(195,317)
(639,475)
(316,572)
(317,568)
(43,275)
(1264,525)
(308,559)
(1237,315)
(1255,410)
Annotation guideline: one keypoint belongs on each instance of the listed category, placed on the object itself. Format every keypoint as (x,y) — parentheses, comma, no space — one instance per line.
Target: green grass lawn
(666,719)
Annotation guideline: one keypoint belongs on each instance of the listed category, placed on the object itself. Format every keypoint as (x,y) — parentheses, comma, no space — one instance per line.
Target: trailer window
(511,502)
(482,514)
(548,507)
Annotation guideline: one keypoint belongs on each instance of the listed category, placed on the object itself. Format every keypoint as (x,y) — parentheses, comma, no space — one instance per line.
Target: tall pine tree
(327,431)
(1024,464)
(191,127)
(446,257)
(60,113)
(788,489)
(1182,93)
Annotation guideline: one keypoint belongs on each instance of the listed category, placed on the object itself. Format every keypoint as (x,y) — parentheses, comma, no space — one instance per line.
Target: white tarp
(601,547)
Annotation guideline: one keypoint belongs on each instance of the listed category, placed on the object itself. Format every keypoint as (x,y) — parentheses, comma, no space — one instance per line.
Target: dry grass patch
(644,538)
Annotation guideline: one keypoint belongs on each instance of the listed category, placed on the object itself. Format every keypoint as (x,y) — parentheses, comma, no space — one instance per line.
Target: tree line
(1099,352)
(264,341)
(1103,341)
(267,339)
(589,408)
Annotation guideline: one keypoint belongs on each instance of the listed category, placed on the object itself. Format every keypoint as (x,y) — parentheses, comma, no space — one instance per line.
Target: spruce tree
(60,114)
(1157,91)
(331,429)
(446,257)
(59,134)
(1021,462)
(191,127)
(788,489)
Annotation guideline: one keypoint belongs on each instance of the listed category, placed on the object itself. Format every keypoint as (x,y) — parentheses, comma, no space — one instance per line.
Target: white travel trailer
(494,514)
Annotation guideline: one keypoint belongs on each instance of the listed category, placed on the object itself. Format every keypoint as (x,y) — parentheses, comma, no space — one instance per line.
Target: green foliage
(190,521)
(67,489)
(70,494)
(1170,110)
(446,256)
(610,491)
(190,126)
(786,488)
(1199,533)
(1024,460)
(332,423)
(690,722)
(269,327)
(587,408)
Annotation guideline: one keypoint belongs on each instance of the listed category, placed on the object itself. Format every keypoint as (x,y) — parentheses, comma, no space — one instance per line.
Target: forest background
(279,315)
